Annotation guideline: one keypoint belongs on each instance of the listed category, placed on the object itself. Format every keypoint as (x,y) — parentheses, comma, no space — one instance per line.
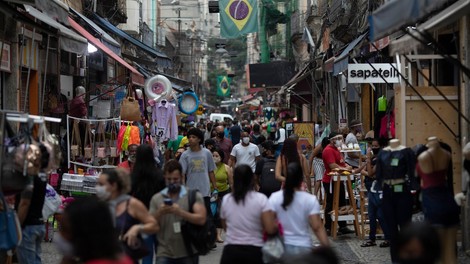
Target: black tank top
(125,221)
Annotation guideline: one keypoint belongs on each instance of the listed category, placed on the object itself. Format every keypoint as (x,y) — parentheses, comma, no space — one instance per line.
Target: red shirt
(331,155)
(126,165)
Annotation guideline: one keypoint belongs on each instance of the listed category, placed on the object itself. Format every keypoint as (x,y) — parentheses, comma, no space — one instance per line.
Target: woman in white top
(245,214)
(297,211)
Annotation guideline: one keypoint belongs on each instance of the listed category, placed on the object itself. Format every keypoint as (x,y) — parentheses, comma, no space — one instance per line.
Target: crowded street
(234,131)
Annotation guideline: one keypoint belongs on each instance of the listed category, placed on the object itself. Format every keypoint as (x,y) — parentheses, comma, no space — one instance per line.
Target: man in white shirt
(279,140)
(244,153)
(355,127)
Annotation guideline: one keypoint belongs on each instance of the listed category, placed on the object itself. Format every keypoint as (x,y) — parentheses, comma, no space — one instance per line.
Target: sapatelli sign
(377,73)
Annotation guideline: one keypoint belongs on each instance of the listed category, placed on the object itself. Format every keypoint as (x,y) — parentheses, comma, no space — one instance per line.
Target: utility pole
(179,30)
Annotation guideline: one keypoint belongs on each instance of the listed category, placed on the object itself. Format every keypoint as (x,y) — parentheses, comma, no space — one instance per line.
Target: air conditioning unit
(213,6)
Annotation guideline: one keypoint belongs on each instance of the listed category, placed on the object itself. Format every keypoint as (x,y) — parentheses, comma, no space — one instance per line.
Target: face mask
(102,193)
(221,134)
(246,140)
(131,158)
(338,143)
(174,187)
(375,151)
(63,246)
(216,159)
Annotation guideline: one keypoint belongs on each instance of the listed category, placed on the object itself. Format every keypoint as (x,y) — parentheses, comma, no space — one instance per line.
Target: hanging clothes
(164,117)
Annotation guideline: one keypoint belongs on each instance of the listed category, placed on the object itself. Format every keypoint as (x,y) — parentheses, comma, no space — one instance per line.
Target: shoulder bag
(140,250)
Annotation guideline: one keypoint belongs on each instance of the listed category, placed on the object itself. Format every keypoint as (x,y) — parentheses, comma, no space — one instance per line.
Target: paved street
(347,247)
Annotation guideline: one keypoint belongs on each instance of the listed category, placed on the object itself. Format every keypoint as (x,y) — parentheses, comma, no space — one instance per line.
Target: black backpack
(201,237)
(268,182)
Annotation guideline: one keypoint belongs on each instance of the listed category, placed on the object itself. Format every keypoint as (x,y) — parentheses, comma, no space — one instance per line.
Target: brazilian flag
(238,17)
(223,85)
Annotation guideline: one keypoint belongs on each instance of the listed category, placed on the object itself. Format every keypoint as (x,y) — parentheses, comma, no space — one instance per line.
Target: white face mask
(63,246)
(246,140)
(216,159)
(338,143)
(102,193)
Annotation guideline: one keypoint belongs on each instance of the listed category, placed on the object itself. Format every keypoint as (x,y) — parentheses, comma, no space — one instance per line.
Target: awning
(396,14)
(299,76)
(447,16)
(341,62)
(70,40)
(137,78)
(161,58)
(55,9)
(109,41)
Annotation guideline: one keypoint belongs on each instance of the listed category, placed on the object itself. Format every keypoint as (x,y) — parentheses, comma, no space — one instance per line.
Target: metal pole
(179,30)
(29,72)
(43,90)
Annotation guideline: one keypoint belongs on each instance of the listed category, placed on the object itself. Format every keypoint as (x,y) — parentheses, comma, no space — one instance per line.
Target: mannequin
(395,175)
(439,206)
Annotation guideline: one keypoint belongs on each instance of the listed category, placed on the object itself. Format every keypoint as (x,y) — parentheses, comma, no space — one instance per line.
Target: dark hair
(293,180)
(256,128)
(426,235)
(242,182)
(289,151)
(196,132)
(171,166)
(147,178)
(121,178)
(209,141)
(221,153)
(269,145)
(261,139)
(92,230)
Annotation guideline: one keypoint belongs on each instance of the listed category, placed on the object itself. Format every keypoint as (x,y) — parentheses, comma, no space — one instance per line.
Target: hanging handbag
(51,142)
(126,138)
(274,248)
(101,150)
(10,228)
(88,149)
(76,142)
(112,144)
(130,110)
(138,251)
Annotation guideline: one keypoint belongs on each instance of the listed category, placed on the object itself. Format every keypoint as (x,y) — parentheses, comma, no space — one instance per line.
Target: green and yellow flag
(223,85)
(238,17)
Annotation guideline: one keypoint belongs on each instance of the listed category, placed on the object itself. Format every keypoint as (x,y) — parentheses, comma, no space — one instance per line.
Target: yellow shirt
(221,177)
(183,142)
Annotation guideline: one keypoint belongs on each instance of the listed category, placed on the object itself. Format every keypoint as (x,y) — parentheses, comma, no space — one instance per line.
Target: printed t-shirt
(197,165)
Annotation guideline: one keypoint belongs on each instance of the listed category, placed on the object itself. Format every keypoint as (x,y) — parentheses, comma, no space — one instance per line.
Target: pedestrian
(418,243)
(147,180)
(132,219)
(355,127)
(129,163)
(279,138)
(254,137)
(178,153)
(198,167)
(265,175)
(223,143)
(318,168)
(224,179)
(289,154)
(333,159)
(235,133)
(170,208)
(209,144)
(245,153)
(298,211)
(87,234)
(245,215)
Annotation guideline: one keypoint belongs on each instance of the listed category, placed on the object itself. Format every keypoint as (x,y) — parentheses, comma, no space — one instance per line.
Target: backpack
(200,237)
(268,182)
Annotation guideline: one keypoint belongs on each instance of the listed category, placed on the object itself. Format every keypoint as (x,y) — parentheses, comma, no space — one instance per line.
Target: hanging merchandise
(130,110)
(51,142)
(157,88)
(89,141)
(387,127)
(101,141)
(112,144)
(165,125)
(188,102)
(382,104)
(126,138)
(76,142)
(134,138)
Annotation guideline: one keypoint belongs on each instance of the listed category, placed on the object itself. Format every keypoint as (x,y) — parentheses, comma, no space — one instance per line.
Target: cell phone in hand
(168,201)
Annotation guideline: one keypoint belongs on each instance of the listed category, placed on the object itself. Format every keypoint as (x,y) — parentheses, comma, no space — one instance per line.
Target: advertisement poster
(306,134)
(289,129)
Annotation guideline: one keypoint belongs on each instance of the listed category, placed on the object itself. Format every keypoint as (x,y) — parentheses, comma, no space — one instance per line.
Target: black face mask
(375,151)
(221,134)
(174,187)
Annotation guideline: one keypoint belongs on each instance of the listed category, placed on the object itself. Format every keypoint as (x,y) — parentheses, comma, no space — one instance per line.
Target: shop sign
(373,73)
(343,123)
(6,57)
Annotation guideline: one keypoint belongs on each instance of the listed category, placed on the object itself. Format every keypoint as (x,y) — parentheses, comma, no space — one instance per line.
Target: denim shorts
(29,251)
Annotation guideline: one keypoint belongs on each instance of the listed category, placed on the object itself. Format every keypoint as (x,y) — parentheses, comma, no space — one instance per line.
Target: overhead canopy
(70,41)
(341,62)
(105,37)
(137,78)
(443,18)
(161,58)
(396,14)
(55,9)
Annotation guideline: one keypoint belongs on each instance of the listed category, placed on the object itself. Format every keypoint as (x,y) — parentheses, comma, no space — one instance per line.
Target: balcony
(341,13)
(114,10)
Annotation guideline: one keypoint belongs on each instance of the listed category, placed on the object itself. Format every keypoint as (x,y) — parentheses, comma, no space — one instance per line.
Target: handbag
(101,138)
(274,248)
(88,149)
(140,250)
(52,202)
(130,110)
(51,142)
(76,141)
(10,228)
(112,142)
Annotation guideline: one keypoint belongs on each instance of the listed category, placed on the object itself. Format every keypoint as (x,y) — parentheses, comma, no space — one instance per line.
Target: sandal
(384,244)
(368,243)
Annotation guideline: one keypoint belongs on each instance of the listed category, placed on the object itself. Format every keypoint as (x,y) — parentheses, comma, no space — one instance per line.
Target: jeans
(291,250)
(329,204)
(186,260)
(150,242)
(397,208)
(375,212)
(29,251)
(278,150)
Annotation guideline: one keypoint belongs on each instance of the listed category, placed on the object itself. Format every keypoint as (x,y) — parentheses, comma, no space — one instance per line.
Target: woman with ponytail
(297,211)
(245,215)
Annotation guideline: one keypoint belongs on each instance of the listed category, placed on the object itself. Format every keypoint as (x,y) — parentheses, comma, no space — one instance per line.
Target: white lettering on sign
(377,73)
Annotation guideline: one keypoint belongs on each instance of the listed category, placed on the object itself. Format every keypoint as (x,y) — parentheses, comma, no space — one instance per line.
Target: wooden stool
(338,180)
